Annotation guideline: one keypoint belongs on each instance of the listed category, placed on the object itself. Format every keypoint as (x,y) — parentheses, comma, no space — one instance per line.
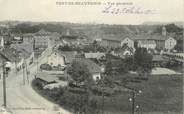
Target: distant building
(25,51)
(112,41)
(164,31)
(170,43)
(127,41)
(56,59)
(93,68)
(45,78)
(11,55)
(158,61)
(17,38)
(155,41)
(61,58)
(123,52)
(28,38)
(94,55)
(42,39)
(148,44)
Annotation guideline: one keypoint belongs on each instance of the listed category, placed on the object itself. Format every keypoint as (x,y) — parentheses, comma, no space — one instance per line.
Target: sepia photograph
(91,56)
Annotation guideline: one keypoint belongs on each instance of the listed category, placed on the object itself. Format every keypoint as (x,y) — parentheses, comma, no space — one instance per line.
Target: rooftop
(135,37)
(10,54)
(147,42)
(94,55)
(42,32)
(158,58)
(93,67)
(48,77)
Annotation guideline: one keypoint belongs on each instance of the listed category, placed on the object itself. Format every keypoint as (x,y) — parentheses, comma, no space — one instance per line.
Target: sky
(47,10)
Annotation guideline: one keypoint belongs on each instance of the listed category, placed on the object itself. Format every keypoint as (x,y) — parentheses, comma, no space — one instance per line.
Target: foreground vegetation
(160,94)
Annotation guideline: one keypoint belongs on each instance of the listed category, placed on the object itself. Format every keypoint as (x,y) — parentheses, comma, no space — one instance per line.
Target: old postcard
(91,56)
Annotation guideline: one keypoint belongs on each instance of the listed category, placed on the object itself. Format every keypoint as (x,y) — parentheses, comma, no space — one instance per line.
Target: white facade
(96,76)
(170,43)
(147,44)
(128,41)
(56,59)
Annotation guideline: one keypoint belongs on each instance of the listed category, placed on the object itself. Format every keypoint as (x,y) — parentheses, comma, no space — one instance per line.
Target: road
(22,99)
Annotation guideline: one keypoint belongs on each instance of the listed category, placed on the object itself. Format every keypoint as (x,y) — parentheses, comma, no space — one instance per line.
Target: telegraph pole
(27,73)
(133,102)
(4,84)
(132,99)
(23,74)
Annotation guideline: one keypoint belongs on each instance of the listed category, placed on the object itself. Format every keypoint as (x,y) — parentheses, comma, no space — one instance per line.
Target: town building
(113,41)
(17,38)
(97,55)
(51,80)
(159,61)
(11,55)
(128,42)
(61,58)
(110,43)
(25,51)
(42,39)
(170,43)
(56,59)
(28,38)
(123,52)
(148,41)
(148,44)
(93,68)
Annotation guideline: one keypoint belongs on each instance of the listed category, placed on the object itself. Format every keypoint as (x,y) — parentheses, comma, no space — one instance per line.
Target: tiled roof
(93,67)
(116,37)
(42,32)
(28,35)
(69,55)
(25,46)
(10,54)
(134,37)
(47,77)
(147,42)
(94,55)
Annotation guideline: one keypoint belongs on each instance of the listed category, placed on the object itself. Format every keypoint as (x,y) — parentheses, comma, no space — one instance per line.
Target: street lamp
(6,67)
(132,99)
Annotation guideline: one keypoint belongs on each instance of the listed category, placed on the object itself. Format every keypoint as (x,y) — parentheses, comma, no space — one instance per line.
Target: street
(23,99)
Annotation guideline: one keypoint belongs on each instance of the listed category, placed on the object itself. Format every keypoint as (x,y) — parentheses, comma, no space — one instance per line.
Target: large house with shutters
(148,41)
(114,41)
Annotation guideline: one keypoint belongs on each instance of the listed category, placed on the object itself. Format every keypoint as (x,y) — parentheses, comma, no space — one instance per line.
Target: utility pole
(132,99)
(27,73)
(4,84)
(102,95)
(23,73)
(133,102)
(37,65)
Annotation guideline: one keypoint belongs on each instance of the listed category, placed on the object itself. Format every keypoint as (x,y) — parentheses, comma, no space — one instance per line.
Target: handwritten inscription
(113,9)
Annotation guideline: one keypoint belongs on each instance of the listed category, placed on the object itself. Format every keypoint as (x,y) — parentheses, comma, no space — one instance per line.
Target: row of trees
(94,47)
(140,62)
(171,28)
(28,28)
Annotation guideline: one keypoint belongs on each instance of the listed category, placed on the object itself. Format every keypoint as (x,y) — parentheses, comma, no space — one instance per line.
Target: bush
(36,83)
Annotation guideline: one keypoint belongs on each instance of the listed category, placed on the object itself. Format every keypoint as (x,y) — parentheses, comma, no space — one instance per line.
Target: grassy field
(160,95)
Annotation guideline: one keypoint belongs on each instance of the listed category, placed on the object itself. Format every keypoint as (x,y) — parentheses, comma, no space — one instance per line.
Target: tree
(143,60)
(79,72)
(108,68)
(171,28)
(179,46)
